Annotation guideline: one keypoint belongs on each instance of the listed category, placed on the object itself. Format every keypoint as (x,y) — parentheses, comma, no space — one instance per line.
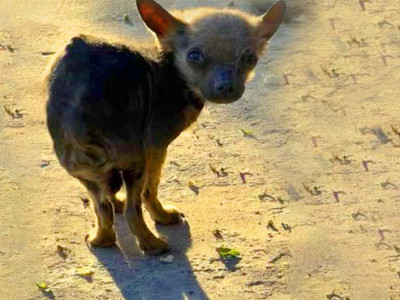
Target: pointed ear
(271,20)
(159,20)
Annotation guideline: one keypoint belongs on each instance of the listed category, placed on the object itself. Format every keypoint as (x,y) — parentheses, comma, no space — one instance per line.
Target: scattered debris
(315,191)
(85,273)
(44,163)
(332,22)
(47,53)
(334,296)
(15,125)
(243,175)
(228,253)
(272,226)
(395,130)
(381,135)
(330,73)
(358,216)
(218,235)
(194,188)
(63,251)
(381,233)
(85,202)
(308,97)
(247,133)
(384,58)
(360,43)
(279,256)
(286,227)
(45,289)
(174,163)
(362,4)
(167,259)
(344,160)
(260,282)
(7,47)
(314,140)
(384,23)
(265,196)
(286,77)
(365,164)
(387,185)
(126,18)
(337,193)
(16,114)
(220,173)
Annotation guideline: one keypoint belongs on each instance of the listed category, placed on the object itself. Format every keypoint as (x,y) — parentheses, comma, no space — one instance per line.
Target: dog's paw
(97,238)
(169,216)
(154,247)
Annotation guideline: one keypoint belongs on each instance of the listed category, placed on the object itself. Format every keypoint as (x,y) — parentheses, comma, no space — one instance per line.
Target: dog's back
(102,97)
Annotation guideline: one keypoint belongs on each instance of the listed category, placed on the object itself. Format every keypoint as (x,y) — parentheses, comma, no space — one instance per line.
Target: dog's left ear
(271,20)
(157,18)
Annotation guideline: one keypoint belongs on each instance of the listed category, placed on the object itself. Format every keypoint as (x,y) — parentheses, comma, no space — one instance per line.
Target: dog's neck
(170,83)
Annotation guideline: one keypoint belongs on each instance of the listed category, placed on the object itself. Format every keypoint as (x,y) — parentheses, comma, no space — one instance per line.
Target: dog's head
(215,49)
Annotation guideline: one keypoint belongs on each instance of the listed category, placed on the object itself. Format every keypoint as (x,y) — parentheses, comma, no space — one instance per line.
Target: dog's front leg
(161,214)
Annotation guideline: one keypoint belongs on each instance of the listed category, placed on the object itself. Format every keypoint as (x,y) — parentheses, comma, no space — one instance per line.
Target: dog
(112,109)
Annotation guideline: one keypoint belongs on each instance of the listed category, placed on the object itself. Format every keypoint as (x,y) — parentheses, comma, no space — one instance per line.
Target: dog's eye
(195,56)
(249,59)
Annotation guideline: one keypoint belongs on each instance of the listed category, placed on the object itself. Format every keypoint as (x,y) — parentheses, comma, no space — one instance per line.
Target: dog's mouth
(221,98)
(224,100)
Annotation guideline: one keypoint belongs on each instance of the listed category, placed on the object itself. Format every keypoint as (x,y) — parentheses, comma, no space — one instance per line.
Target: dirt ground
(318,215)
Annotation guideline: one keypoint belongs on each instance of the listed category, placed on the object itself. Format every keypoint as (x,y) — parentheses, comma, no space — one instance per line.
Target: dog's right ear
(158,19)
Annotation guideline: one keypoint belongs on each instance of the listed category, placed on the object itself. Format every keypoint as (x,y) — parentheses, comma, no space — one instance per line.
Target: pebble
(167,259)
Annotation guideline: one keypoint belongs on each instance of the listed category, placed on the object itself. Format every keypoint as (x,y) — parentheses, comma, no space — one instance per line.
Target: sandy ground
(324,160)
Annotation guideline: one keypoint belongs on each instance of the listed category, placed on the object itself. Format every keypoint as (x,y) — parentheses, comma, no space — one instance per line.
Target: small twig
(85,202)
(279,256)
(314,140)
(362,4)
(315,191)
(381,233)
(243,174)
(272,226)
(286,227)
(286,77)
(336,195)
(365,164)
(387,185)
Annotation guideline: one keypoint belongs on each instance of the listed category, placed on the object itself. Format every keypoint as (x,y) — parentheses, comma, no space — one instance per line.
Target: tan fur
(223,36)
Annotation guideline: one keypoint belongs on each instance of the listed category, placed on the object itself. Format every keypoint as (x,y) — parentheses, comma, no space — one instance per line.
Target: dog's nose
(224,82)
(224,88)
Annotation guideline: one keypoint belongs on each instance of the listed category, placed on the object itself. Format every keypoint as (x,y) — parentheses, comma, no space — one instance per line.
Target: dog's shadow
(144,277)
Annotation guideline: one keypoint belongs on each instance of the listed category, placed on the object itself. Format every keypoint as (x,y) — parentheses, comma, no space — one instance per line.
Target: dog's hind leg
(148,241)
(161,214)
(103,234)
(115,184)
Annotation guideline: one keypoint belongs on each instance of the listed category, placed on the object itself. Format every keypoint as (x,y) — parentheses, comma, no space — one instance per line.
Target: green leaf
(247,133)
(228,253)
(43,287)
(84,272)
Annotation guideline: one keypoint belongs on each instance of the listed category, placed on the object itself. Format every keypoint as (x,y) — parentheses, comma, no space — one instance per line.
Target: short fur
(112,110)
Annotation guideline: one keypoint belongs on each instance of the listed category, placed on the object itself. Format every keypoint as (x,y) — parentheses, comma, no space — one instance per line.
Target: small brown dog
(113,110)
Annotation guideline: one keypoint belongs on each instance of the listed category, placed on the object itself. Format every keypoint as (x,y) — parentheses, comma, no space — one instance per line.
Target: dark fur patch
(108,102)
